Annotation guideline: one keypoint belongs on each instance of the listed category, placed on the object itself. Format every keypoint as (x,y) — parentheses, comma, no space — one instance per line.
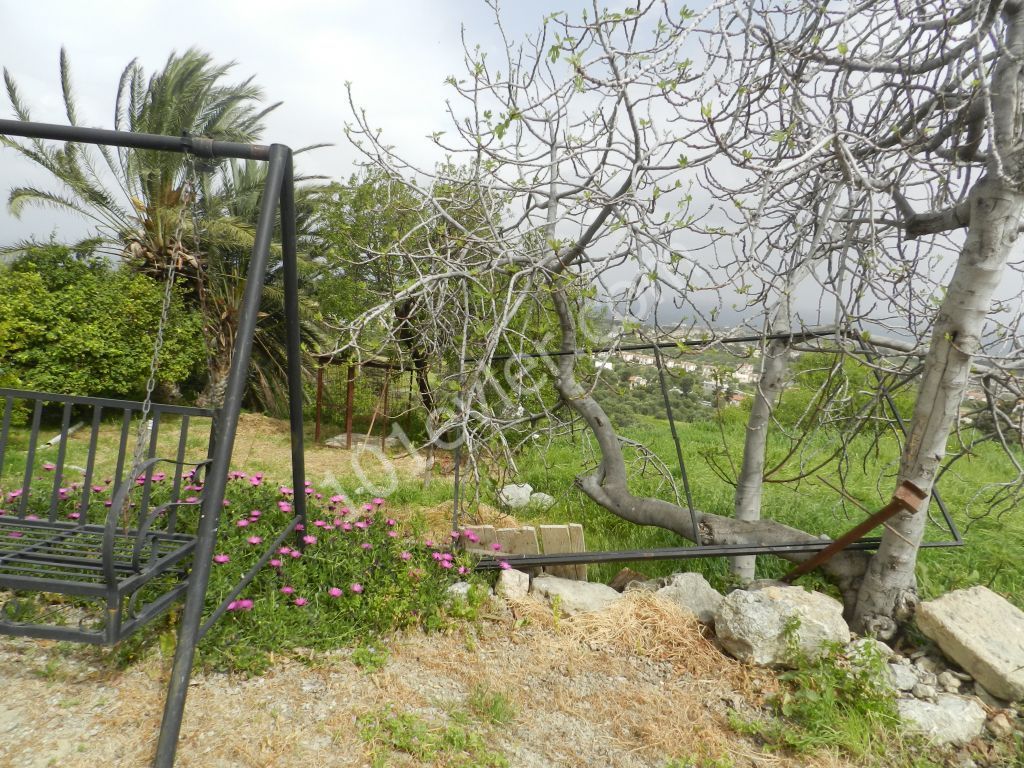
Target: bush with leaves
(71,323)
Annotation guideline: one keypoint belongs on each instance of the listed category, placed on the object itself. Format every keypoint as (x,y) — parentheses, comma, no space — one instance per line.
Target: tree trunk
(888,594)
(750,482)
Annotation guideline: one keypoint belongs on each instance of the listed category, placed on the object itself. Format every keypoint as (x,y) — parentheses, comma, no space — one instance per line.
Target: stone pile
(951,693)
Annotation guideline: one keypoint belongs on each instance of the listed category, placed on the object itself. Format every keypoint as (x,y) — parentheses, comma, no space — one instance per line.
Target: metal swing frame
(108,561)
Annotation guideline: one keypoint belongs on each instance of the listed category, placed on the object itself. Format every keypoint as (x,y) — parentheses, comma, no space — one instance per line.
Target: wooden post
(384,413)
(350,398)
(319,399)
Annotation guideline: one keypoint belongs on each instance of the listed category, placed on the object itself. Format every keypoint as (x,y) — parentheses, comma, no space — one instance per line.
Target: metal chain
(187,201)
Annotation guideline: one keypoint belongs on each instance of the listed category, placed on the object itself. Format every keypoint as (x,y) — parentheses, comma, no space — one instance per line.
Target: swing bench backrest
(75,522)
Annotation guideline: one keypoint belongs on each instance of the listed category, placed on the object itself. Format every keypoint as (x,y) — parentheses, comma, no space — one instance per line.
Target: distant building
(745,374)
(636,381)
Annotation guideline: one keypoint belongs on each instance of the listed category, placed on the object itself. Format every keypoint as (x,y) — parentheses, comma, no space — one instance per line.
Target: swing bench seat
(89,555)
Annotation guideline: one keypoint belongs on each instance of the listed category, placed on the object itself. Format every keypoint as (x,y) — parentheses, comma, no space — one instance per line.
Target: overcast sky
(396,53)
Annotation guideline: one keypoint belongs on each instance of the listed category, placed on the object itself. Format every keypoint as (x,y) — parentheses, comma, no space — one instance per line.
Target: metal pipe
(289,250)
(678,553)
(814,333)
(195,145)
(216,480)
(679,448)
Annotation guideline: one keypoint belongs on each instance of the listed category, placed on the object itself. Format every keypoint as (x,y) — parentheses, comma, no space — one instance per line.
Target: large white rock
(981,632)
(574,596)
(692,592)
(753,626)
(950,719)
(512,584)
(541,502)
(515,495)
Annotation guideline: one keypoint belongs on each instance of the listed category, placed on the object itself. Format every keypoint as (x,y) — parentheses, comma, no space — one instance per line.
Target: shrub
(74,324)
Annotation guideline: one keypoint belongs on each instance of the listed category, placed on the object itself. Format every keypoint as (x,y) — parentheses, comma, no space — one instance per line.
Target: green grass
(992,546)
(455,741)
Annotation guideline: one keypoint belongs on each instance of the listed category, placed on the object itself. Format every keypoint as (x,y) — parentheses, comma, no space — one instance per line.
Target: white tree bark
(888,593)
(750,480)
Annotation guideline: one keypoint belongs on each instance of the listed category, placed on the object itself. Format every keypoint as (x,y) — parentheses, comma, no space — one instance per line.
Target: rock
(1000,726)
(755,626)
(981,632)
(651,585)
(902,676)
(512,584)
(515,495)
(988,699)
(540,502)
(459,590)
(924,691)
(862,647)
(948,720)
(624,578)
(692,592)
(929,665)
(949,682)
(574,596)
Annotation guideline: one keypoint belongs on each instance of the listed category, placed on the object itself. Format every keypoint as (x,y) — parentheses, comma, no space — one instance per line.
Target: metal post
(289,251)
(216,481)
(679,449)
(319,399)
(350,397)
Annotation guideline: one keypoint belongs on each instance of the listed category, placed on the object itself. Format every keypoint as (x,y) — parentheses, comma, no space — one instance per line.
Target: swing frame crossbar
(127,555)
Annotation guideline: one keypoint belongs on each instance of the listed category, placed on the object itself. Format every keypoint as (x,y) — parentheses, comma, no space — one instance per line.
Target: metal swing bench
(156,540)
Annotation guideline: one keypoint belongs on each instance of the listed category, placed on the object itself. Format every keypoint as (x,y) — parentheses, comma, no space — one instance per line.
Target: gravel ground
(575,705)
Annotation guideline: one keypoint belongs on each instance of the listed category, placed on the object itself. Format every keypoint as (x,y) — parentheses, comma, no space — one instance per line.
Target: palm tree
(138,201)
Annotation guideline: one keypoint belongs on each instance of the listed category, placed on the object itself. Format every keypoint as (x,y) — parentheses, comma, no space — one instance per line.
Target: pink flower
(159,477)
(300,527)
(391,521)
(346,526)
(256,479)
(344,511)
(275,563)
(319,523)
(15,534)
(73,515)
(255,514)
(98,489)
(226,503)
(496,547)
(393,534)
(445,564)
(221,559)
(242,523)
(309,540)
(406,556)
(284,506)
(240,605)
(455,535)
(48,466)
(362,525)
(472,537)
(309,491)
(286,491)
(463,570)
(335,592)
(300,601)
(368,507)
(337,498)
(378,501)
(295,554)
(357,588)
(366,545)
(254,540)
(286,590)
(284,550)
(503,564)
(192,500)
